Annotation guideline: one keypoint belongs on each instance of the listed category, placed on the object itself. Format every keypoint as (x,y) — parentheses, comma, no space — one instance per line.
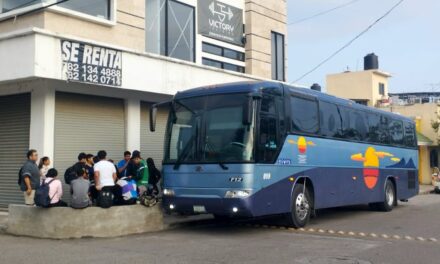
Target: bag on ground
(42,198)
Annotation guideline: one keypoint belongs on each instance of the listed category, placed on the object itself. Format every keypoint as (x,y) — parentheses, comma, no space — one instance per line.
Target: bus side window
(330,120)
(410,137)
(268,143)
(373,128)
(396,132)
(384,133)
(304,114)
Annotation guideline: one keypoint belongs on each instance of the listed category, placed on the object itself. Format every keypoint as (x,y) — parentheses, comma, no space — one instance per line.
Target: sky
(407,41)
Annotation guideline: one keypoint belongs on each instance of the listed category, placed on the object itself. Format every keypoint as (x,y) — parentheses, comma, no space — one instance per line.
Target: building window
(222,65)
(170,29)
(11,5)
(381,88)
(223,52)
(96,8)
(278,57)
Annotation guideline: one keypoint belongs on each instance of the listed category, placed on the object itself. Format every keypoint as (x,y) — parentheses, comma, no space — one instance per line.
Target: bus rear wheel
(390,198)
(301,207)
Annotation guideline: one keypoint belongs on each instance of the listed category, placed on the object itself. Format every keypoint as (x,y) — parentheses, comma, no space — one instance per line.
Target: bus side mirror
(153,115)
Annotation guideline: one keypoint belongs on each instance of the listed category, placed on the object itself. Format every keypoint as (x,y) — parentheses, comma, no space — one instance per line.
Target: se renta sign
(220,21)
(83,62)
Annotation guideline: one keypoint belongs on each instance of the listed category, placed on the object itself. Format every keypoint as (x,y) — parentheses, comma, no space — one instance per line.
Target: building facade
(368,87)
(80,75)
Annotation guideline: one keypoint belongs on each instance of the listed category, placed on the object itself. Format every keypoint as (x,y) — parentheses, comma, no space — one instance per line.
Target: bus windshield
(210,129)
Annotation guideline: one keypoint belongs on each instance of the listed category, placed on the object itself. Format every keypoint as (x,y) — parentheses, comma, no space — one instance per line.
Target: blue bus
(255,149)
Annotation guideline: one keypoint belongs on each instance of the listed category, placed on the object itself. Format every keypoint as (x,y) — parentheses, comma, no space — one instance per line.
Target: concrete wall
(65,223)
(263,17)
(361,85)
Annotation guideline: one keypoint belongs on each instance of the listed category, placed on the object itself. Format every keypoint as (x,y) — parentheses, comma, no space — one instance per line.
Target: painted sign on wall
(220,21)
(83,62)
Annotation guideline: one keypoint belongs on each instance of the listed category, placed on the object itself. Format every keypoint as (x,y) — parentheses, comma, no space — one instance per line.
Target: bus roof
(255,86)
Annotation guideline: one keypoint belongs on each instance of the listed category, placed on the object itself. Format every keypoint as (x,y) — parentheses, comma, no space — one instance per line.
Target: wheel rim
(302,206)
(390,195)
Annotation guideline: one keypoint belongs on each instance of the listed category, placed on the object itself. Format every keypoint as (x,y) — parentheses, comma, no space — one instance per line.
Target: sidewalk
(3,221)
(425,189)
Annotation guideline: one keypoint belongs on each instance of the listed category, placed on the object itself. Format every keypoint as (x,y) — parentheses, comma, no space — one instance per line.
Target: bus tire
(301,207)
(390,198)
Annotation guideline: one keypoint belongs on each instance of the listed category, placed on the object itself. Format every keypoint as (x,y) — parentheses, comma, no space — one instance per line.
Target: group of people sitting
(93,180)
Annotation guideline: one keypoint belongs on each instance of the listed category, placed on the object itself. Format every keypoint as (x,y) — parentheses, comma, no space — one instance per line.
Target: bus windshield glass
(210,129)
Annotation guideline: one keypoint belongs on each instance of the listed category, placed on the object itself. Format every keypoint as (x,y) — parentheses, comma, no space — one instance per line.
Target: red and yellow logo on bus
(302,144)
(371,164)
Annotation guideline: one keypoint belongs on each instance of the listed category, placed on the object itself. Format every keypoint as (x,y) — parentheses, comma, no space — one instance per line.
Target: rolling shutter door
(152,143)
(14,143)
(87,124)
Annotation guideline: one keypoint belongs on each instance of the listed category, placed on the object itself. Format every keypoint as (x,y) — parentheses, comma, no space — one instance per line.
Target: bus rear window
(410,137)
(396,132)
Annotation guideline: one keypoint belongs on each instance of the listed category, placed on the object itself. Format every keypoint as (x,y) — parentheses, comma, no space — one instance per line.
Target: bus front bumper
(234,207)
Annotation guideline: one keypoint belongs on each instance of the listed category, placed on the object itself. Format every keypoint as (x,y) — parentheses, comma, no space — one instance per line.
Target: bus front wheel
(301,207)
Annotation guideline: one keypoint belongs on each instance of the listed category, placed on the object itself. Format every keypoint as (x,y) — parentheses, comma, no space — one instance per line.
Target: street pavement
(408,234)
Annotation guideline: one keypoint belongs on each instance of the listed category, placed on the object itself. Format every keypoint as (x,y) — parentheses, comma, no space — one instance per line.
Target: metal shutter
(87,124)
(152,143)
(14,143)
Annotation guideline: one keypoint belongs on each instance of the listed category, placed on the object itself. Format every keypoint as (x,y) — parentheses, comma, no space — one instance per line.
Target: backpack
(19,177)
(70,175)
(105,198)
(149,198)
(42,198)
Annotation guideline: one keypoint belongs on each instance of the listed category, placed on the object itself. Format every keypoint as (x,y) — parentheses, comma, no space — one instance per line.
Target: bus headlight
(237,194)
(168,192)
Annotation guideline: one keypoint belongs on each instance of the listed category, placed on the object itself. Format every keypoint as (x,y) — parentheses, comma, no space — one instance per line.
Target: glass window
(223,52)
(268,105)
(304,115)
(373,128)
(222,65)
(410,137)
(384,133)
(278,57)
(210,129)
(98,8)
(181,33)
(358,125)
(396,132)
(330,120)
(212,49)
(212,63)
(381,88)
(268,140)
(233,54)
(155,26)
(170,29)
(10,5)
(232,67)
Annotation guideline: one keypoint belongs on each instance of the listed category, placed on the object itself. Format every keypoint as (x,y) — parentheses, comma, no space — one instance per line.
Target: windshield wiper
(222,165)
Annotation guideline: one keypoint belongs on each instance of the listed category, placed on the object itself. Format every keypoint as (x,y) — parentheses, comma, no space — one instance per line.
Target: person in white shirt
(44,167)
(105,172)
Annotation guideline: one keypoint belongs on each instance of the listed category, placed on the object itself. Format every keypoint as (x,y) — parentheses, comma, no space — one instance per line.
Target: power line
(350,42)
(323,12)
